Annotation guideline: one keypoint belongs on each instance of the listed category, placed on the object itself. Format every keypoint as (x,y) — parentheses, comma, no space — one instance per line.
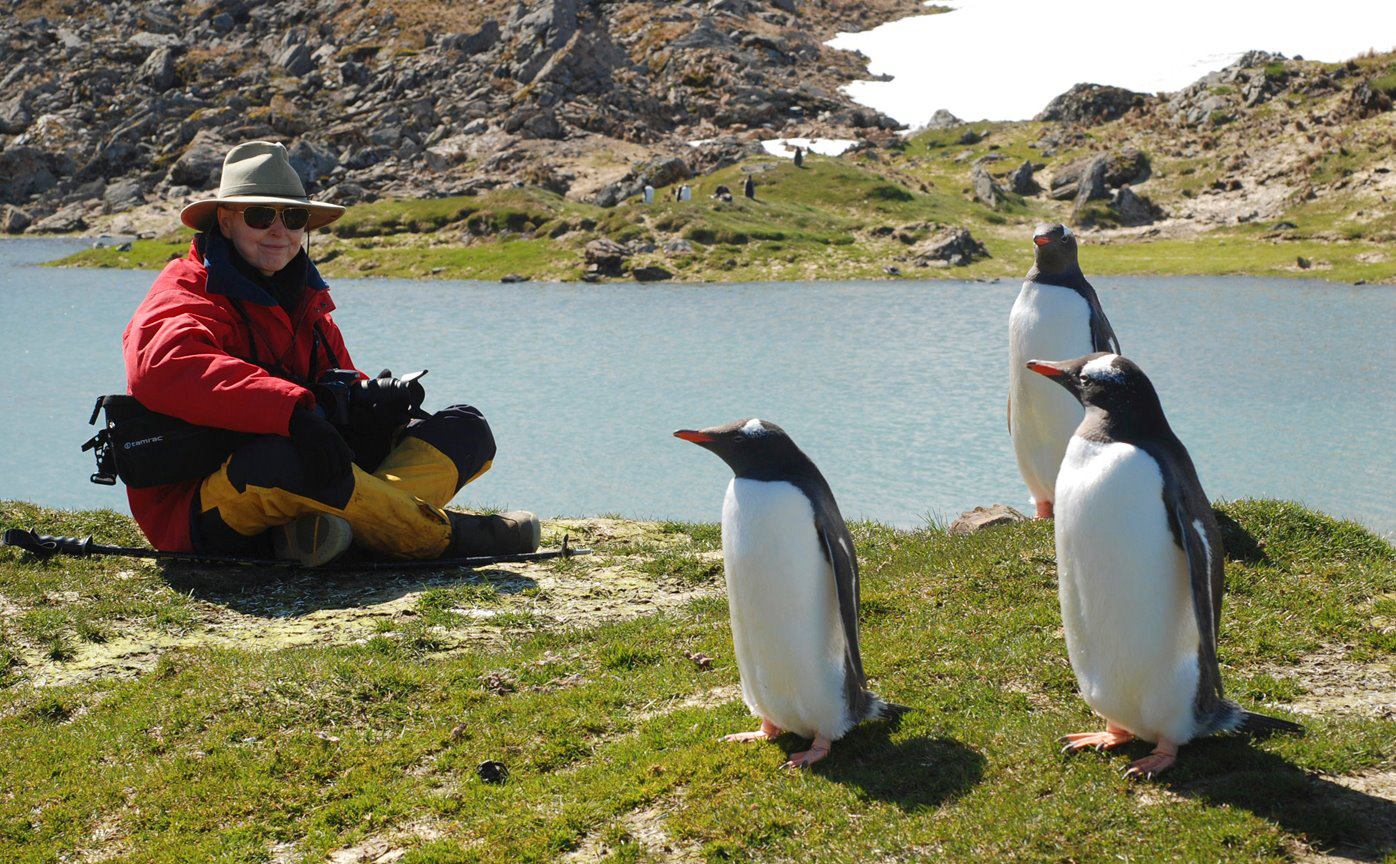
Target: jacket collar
(212,249)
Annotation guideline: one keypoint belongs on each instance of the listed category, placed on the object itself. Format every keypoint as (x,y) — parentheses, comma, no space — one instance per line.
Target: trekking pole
(42,546)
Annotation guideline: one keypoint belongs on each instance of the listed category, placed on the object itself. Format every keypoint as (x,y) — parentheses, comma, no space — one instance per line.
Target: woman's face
(267,249)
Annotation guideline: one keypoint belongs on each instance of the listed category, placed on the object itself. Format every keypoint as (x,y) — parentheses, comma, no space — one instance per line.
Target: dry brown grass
(54,10)
(419,17)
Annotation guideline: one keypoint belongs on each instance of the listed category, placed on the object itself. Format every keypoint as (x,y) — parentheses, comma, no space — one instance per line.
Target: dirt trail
(1335,684)
(282,611)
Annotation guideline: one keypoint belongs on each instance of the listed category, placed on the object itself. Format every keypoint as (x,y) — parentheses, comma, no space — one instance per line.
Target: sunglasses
(262,217)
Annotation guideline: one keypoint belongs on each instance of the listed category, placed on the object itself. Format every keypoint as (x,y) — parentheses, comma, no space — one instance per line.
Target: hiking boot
(312,539)
(512,532)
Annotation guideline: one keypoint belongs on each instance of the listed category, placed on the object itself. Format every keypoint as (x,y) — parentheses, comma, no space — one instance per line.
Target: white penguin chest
(1126,602)
(786,629)
(1048,322)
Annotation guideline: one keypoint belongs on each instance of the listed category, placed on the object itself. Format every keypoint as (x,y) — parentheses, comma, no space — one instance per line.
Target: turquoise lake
(1279,388)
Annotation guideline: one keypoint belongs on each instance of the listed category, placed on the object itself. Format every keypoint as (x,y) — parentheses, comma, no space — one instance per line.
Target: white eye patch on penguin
(1103,369)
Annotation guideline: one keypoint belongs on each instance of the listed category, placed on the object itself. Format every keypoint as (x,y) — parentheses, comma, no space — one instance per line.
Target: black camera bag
(144,448)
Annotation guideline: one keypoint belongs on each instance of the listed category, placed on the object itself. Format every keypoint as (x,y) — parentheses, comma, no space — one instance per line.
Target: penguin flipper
(1102,334)
(838,548)
(1195,530)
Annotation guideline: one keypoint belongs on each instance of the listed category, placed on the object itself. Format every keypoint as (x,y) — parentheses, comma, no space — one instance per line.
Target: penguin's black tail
(890,711)
(893,710)
(1263,726)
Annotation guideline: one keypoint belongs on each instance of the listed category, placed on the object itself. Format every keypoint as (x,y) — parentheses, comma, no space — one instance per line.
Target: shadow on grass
(914,774)
(1345,822)
(289,593)
(1238,543)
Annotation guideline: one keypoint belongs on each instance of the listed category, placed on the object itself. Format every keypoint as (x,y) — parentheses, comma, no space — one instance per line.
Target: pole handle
(43,546)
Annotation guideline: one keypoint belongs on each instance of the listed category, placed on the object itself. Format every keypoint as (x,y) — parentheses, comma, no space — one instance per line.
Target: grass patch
(609,732)
(395,216)
(1384,83)
(143,255)
(1239,255)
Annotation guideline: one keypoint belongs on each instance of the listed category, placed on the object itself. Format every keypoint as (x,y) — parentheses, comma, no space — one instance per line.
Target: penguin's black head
(753,448)
(1107,383)
(1055,249)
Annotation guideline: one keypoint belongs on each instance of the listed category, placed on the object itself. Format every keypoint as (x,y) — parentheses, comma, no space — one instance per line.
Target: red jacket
(186,352)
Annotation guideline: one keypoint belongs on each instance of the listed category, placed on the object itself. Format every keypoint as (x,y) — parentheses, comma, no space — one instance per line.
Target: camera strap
(320,344)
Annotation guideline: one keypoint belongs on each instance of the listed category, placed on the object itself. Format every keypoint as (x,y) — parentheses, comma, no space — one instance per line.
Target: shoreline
(1333,262)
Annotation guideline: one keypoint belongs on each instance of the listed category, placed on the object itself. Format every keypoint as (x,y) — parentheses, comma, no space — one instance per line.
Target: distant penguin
(749,187)
(685,192)
(1139,567)
(799,158)
(792,590)
(1057,314)
(649,194)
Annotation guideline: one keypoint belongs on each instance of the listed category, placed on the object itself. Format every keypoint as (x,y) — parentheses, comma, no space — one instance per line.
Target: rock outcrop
(955,247)
(1213,99)
(1132,209)
(657,172)
(1101,171)
(1022,182)
(1092,104)
(986,191)
(943,119)
(605,257)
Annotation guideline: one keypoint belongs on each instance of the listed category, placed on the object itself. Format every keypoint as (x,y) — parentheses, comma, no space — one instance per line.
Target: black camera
(371,404)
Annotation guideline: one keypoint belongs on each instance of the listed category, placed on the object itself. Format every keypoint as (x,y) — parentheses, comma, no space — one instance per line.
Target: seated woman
(235,336)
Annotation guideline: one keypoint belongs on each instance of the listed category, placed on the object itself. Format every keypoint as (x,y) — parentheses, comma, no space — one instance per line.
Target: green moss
(392,216)
(1385,84)
(143,255)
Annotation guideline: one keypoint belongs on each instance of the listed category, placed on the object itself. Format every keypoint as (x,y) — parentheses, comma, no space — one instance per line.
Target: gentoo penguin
(749,187)
(792,590)
(1139,565)
(1057,314)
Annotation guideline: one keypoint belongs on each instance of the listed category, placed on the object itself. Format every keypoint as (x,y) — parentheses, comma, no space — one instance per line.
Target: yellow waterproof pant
(395,510)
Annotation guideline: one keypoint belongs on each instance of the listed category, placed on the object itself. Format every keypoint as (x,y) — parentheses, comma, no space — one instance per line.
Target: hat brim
(199,215)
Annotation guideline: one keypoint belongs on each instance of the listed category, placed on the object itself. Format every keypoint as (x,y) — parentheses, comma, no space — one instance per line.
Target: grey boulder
(980,518)
(953,247)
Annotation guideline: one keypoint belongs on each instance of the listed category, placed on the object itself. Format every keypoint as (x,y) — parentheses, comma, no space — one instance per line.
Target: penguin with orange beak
(1057,314)
(792,590)
(1139,570)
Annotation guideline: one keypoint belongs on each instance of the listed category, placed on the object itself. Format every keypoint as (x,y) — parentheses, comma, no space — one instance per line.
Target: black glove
(322,450)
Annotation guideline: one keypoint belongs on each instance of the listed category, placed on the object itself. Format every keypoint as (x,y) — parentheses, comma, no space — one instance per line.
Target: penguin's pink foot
(1157,762)
(818,750)
(1112,737)
(1044,509)
(768,732)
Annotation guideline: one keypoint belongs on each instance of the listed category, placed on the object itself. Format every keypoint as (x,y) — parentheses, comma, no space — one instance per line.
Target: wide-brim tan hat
(258,172)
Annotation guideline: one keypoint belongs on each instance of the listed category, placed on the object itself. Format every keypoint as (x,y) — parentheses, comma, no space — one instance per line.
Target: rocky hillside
(1298,148)
(104,107)
(1272,165)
